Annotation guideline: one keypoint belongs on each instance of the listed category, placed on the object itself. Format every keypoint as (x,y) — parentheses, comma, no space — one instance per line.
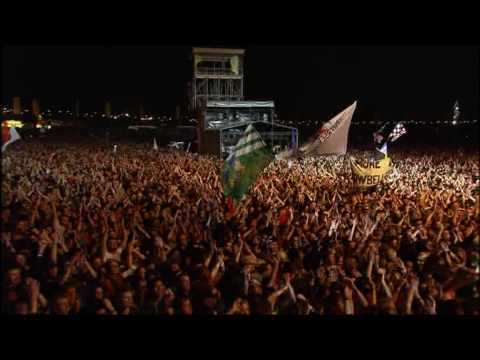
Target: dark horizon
(305,82)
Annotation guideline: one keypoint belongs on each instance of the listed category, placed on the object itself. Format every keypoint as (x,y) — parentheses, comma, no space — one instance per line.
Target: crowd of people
(89,231)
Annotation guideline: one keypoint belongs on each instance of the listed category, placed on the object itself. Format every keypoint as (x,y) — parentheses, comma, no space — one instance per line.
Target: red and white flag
(9,135)
(398,131)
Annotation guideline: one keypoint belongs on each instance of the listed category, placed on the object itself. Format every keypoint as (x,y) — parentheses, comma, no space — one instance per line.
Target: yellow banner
(369,173)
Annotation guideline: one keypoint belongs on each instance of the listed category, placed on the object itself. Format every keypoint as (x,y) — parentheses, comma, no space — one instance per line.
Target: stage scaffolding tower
(217,76)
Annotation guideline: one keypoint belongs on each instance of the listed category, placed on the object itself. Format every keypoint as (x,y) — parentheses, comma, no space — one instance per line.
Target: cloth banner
(332,137)
(369,173)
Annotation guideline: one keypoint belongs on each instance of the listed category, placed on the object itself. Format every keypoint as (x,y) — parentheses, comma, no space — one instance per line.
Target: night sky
(304,82)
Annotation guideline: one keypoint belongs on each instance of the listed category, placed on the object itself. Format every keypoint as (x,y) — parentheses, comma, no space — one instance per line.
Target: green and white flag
(244,164)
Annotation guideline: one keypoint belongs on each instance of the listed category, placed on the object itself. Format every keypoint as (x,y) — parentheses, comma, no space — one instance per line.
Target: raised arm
(207,261)
(33,292)
(125,235)
(162,254)
(350,238)
(239,253)
(419,298)
(44,241)
(173,232)
(361,297)
(349,305)
(69,271)
(272,299)
(88,266)
(290,233)
(35,212)
(80,217)
(439,235)
(291,291)
(397,291)
(249,250)
(54,251)
(56,223)
(385,287)
(430,216)
(130,254)
(109,306)
(90,220)
(214,275)
(274,273)
(411,293)
(371,259)
(374,292)
(104,241)
(137,253)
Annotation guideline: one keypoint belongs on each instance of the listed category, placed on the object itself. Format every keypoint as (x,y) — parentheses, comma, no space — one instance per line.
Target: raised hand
(108,305)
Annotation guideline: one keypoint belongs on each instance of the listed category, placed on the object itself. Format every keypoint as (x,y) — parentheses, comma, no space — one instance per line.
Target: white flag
(155,146)
(383,149)
(332,138)
(9,136)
